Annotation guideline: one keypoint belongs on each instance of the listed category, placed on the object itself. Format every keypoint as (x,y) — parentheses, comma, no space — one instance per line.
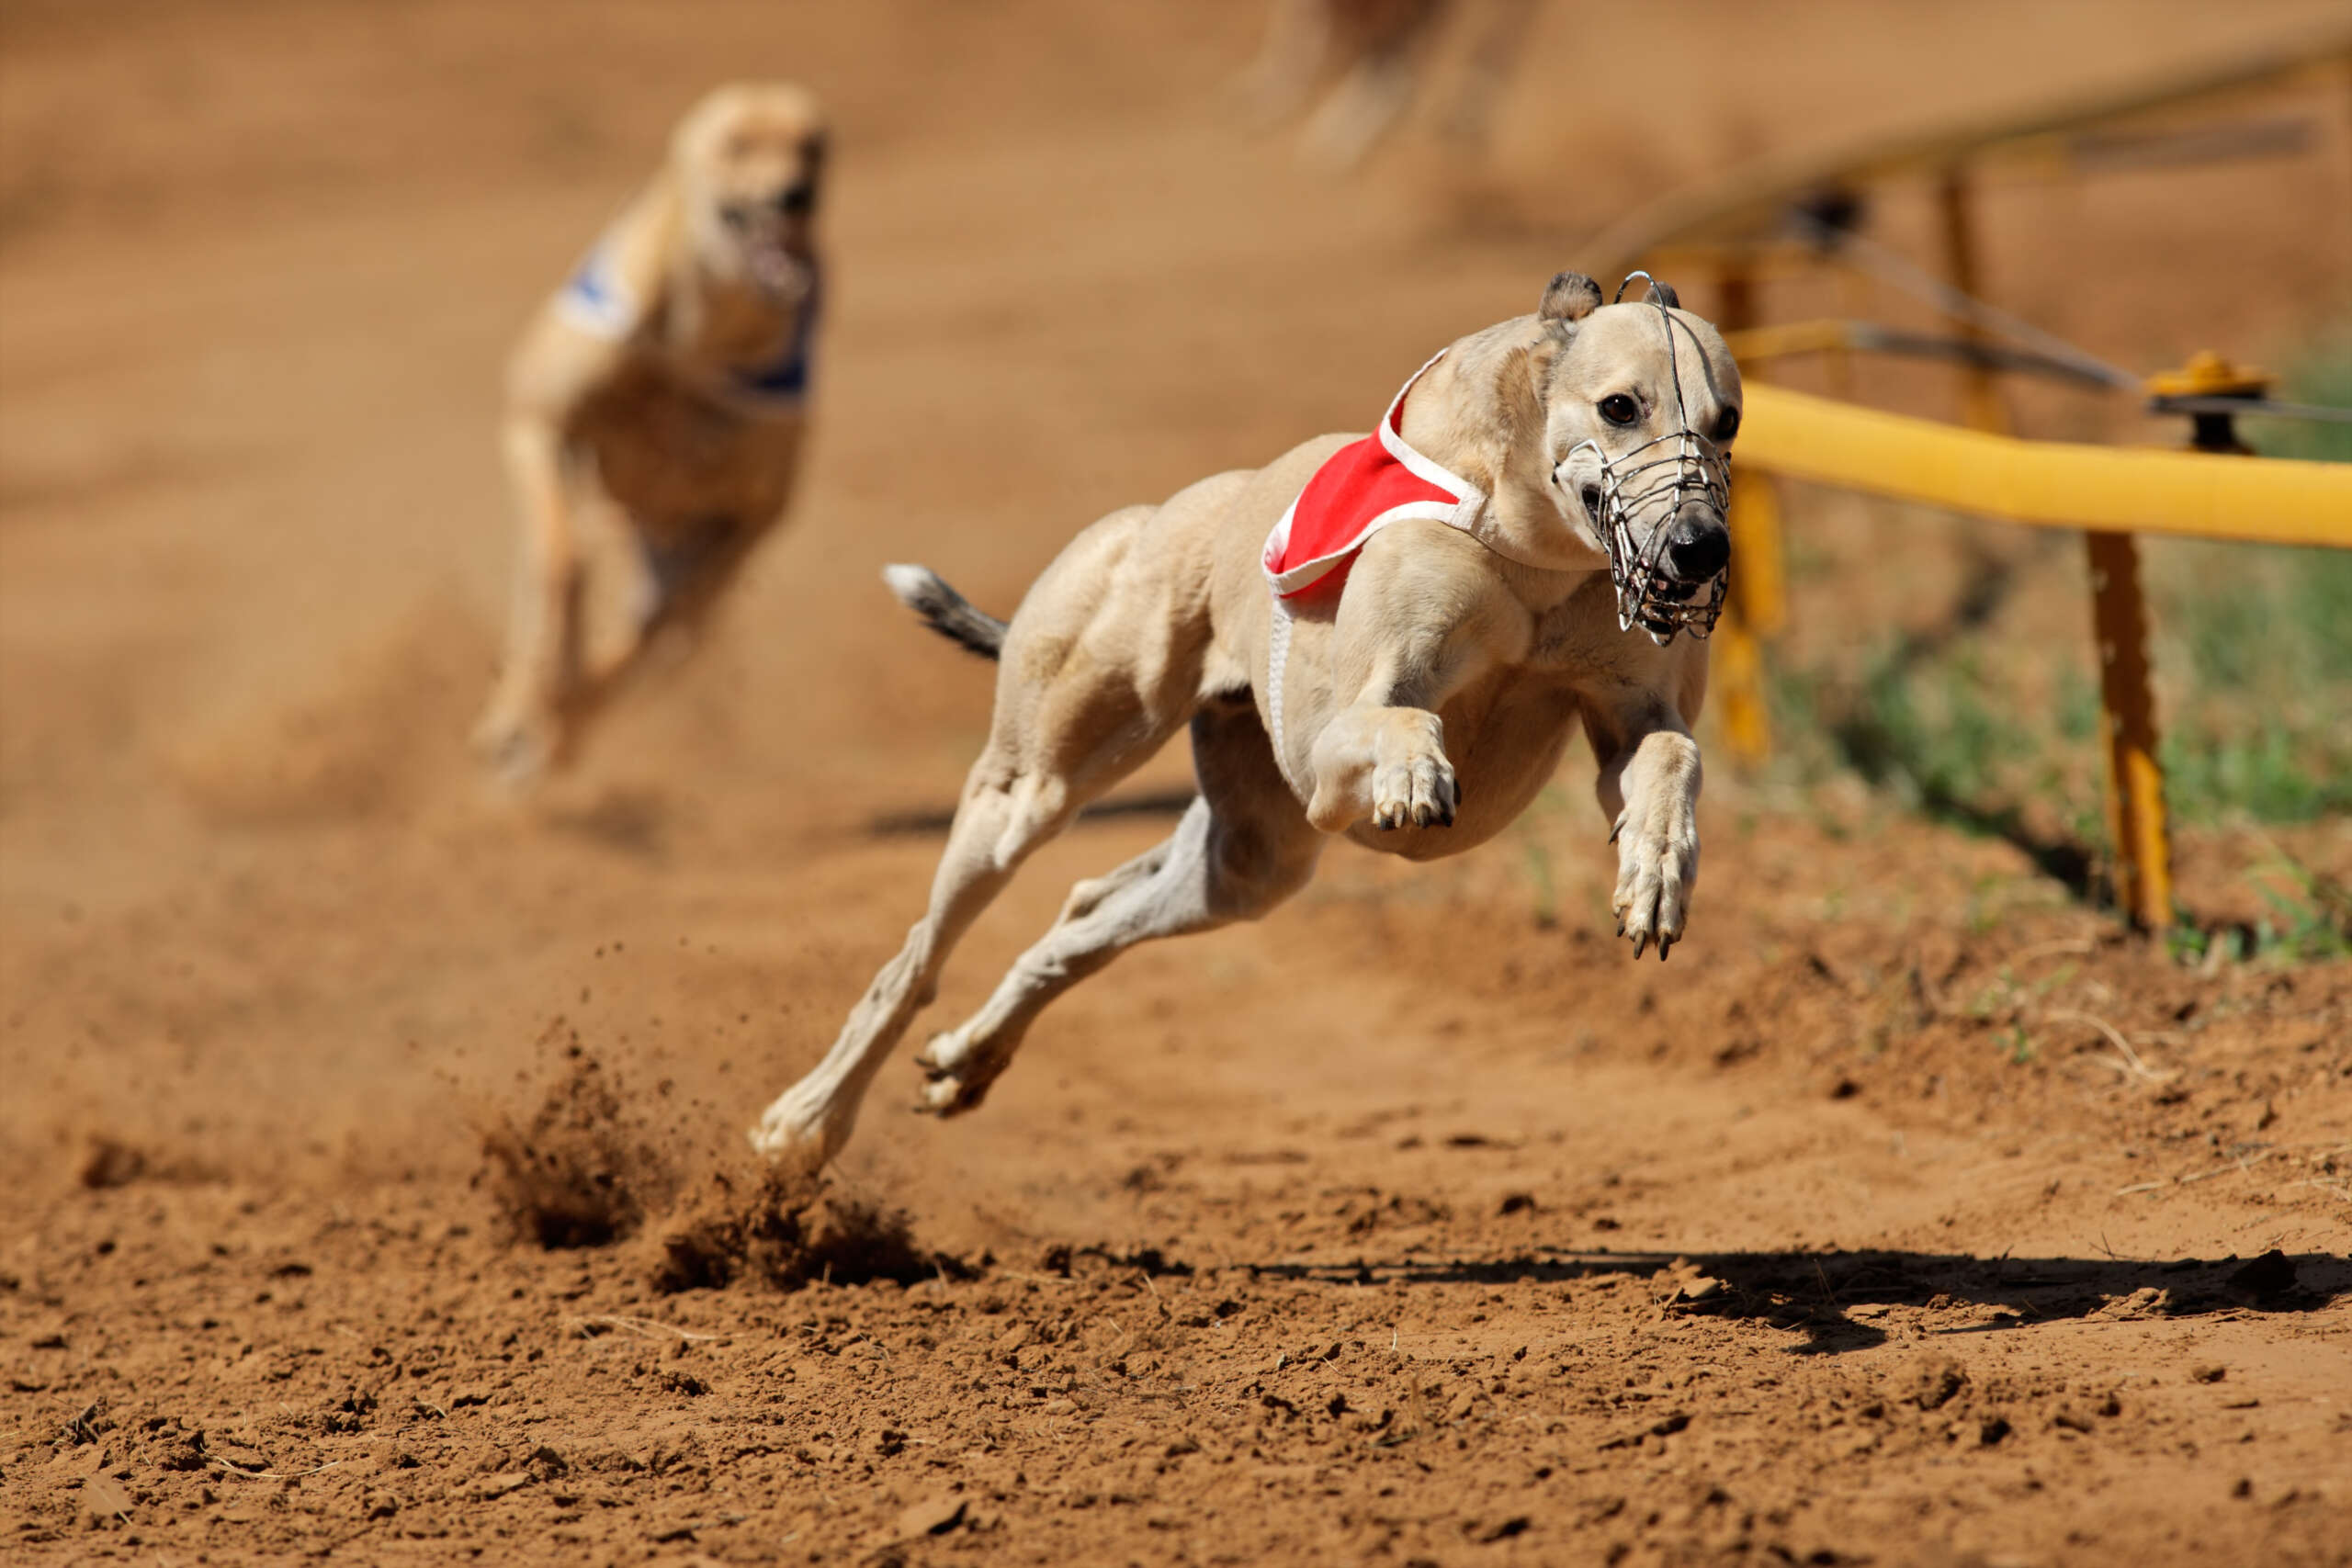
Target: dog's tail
(944,610)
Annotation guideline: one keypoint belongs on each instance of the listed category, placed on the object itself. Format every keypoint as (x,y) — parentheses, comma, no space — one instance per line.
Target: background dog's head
(1610,397)
(749,161)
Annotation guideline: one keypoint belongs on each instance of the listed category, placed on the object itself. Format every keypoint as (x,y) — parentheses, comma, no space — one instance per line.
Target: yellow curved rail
(2046,483)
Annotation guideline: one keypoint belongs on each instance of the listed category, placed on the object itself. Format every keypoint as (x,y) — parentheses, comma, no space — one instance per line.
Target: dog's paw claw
(1421,793)
(955,1080)
(942,1093)
(1657,865)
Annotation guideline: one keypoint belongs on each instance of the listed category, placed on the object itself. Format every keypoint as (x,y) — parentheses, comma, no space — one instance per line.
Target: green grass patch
(2321,373)
(1992,721)
(2254,647)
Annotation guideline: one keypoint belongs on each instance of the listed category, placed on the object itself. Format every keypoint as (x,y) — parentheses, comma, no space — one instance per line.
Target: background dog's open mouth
(779,265)
(779,268)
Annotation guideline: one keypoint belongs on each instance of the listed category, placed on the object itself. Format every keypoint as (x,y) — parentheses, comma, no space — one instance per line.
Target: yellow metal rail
(2047,483)
(2109,492)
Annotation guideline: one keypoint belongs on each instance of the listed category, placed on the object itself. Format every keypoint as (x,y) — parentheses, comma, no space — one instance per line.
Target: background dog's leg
(1298,38)
(1242,848)
(1393,40)
(680,587)
(1502,37)
(518,732)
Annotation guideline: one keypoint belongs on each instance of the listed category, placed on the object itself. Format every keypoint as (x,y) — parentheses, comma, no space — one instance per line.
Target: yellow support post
(1760,578)
(1853,305)
(1754,611)
(2135,784)
(1757,605)
(1737,672)
(1982,407)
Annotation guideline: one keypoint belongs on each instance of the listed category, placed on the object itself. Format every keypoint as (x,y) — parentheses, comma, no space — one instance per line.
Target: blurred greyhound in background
(663,387)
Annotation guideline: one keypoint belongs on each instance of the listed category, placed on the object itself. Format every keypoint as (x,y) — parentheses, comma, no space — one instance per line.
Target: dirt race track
(1419,1224)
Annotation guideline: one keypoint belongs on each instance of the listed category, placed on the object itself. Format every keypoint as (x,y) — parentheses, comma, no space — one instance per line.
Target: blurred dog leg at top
(1386,54)
(663,389)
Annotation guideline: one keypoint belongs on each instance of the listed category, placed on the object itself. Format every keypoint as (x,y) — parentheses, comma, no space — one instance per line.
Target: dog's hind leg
(1242,848)
(1091,684)
(1000,820)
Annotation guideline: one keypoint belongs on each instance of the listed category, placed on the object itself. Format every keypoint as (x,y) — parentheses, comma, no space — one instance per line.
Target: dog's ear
(1569,297)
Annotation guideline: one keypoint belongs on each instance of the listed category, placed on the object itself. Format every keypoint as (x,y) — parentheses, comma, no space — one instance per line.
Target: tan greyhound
(665,383)
(1537,518)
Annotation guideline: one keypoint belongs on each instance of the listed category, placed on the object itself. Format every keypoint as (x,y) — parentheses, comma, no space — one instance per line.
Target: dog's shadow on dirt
(933,822)
(1832,1296)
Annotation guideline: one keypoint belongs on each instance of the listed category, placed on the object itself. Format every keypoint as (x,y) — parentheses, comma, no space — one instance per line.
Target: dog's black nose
(1698,549)
(794,200)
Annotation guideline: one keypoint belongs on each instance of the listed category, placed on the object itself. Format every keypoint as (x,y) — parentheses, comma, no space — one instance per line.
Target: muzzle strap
(1642,493)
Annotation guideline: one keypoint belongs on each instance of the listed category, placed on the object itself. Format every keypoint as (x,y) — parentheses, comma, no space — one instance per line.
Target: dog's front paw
(1658,866)
(1412,782)
(800,1132)
(1420,791)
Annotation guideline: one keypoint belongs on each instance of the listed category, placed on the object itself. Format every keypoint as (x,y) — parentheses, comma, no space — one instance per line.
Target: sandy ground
(1418,1224)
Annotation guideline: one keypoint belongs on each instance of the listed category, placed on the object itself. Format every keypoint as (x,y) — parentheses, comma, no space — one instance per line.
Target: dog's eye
(1727,425)
(1619,409)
